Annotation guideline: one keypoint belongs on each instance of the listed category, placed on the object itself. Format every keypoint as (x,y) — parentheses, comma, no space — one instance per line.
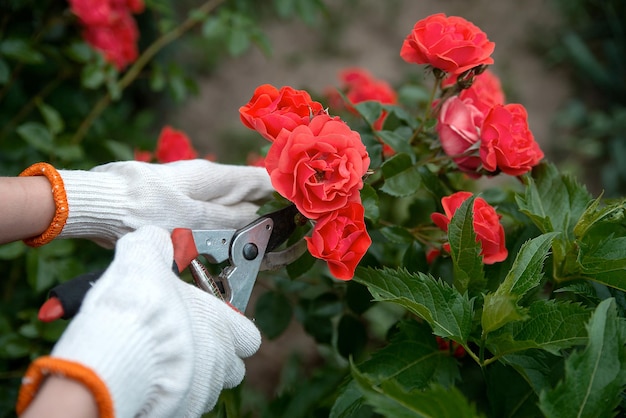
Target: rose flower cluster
(317,162)
(109,27)
(481,133)
(477,130)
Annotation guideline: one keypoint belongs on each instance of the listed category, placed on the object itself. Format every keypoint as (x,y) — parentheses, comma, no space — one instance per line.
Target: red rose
(117,41)
(487,226)
(340,239)
(174,145)
(361,86)
(507,142)
(270,110)
(110,28)
(458,126)
(92,12)
(319,167)
(451,44)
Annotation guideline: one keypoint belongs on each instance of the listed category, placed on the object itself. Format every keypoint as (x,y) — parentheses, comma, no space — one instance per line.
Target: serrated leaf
(447,311)
(596,376)
(391,400)
(501,306)
(553,201)
(402,178)
(594,214)
(606,262)
(465,250)
(551,326)
(412,358)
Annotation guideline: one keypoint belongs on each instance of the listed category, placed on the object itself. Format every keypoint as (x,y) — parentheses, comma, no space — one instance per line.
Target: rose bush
(506,296)
(436,294)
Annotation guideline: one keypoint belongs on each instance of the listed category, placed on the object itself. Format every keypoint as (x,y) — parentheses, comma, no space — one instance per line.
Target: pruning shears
(247,250)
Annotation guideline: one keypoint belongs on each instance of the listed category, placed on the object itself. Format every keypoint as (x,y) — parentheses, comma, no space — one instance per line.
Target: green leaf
(465,250)
(37,136)
(447,311)
(606,262)
(369,199)
(52,117)
(402,178)
(20,50)
(553,201)
(273,313)
(369,110)
(551,326)
(595,215)
(391,400)
(594,377)
(395,140)
(501,306)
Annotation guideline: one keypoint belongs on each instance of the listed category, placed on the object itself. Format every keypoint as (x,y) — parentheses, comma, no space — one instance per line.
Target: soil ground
(370,36)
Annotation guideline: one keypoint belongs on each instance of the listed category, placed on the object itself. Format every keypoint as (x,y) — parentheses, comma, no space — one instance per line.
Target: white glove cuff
(97,206)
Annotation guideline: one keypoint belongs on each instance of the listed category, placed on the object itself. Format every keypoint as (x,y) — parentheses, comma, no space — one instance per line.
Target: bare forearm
(26,207)
(60,397)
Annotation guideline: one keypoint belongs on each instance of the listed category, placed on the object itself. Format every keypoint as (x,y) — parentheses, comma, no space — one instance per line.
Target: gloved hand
(111,200)
(161,346)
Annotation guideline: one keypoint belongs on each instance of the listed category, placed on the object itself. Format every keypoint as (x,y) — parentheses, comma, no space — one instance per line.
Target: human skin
(27,207)
(59,397)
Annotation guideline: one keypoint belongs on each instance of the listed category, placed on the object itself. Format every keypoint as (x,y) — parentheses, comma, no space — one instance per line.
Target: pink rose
(270,110)
(340,239)
(458,126)
(319,166)
(507,143)
(450,44)
(489,231)
(174,145)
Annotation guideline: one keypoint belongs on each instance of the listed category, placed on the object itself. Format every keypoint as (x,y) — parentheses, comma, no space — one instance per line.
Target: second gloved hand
(114,199)
(160,346)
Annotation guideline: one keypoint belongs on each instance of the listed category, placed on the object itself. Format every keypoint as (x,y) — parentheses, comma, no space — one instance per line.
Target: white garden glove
(113,199)
(162,347)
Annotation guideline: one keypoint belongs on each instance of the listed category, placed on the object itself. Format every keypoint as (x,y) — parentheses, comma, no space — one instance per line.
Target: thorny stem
(140,63)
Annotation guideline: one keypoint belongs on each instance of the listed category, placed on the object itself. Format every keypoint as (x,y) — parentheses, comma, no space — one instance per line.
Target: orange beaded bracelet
(60,202)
